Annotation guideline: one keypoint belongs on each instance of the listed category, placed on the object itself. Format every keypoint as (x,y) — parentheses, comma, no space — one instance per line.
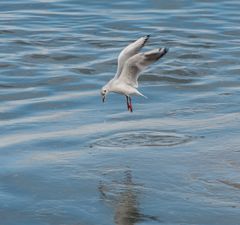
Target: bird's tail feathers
(139,93)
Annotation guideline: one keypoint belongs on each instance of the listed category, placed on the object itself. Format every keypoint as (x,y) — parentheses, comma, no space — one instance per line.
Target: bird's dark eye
(104,91)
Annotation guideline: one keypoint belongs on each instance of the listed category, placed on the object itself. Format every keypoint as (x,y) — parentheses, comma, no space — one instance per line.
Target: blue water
(68,159)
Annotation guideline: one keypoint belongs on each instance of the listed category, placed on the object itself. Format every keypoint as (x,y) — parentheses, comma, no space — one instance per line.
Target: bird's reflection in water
(123,198)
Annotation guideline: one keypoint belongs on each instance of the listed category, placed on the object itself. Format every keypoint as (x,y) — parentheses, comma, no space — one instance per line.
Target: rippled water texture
(68,159)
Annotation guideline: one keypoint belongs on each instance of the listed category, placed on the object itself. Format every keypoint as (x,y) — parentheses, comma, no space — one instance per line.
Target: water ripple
(142,139)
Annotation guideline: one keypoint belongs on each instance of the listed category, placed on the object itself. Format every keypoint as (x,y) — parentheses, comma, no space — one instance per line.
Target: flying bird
(131,63)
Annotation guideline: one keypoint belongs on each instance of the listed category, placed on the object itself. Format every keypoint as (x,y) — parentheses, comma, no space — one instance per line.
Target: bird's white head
(104,92)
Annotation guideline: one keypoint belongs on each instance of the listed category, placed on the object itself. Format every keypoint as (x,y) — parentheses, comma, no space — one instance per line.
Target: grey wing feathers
(131,50)
(137,63)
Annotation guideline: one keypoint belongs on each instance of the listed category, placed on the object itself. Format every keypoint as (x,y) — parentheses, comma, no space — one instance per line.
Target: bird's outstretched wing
(129,51)
(137,63)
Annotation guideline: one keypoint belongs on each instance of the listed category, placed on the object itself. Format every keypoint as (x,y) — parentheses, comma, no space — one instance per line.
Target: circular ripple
(143,138)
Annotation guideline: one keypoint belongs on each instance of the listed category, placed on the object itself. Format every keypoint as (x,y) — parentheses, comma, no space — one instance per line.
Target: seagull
(131,63)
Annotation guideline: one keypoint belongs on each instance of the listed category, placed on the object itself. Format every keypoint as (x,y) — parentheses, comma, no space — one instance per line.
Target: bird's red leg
(130,105)
(127,102)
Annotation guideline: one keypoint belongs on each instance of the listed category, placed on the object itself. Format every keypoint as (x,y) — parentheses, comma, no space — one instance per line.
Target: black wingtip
(166,50)
(146,38)
(163,50)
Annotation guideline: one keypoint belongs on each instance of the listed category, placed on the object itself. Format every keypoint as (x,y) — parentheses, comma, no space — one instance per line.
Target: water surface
(68,159)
